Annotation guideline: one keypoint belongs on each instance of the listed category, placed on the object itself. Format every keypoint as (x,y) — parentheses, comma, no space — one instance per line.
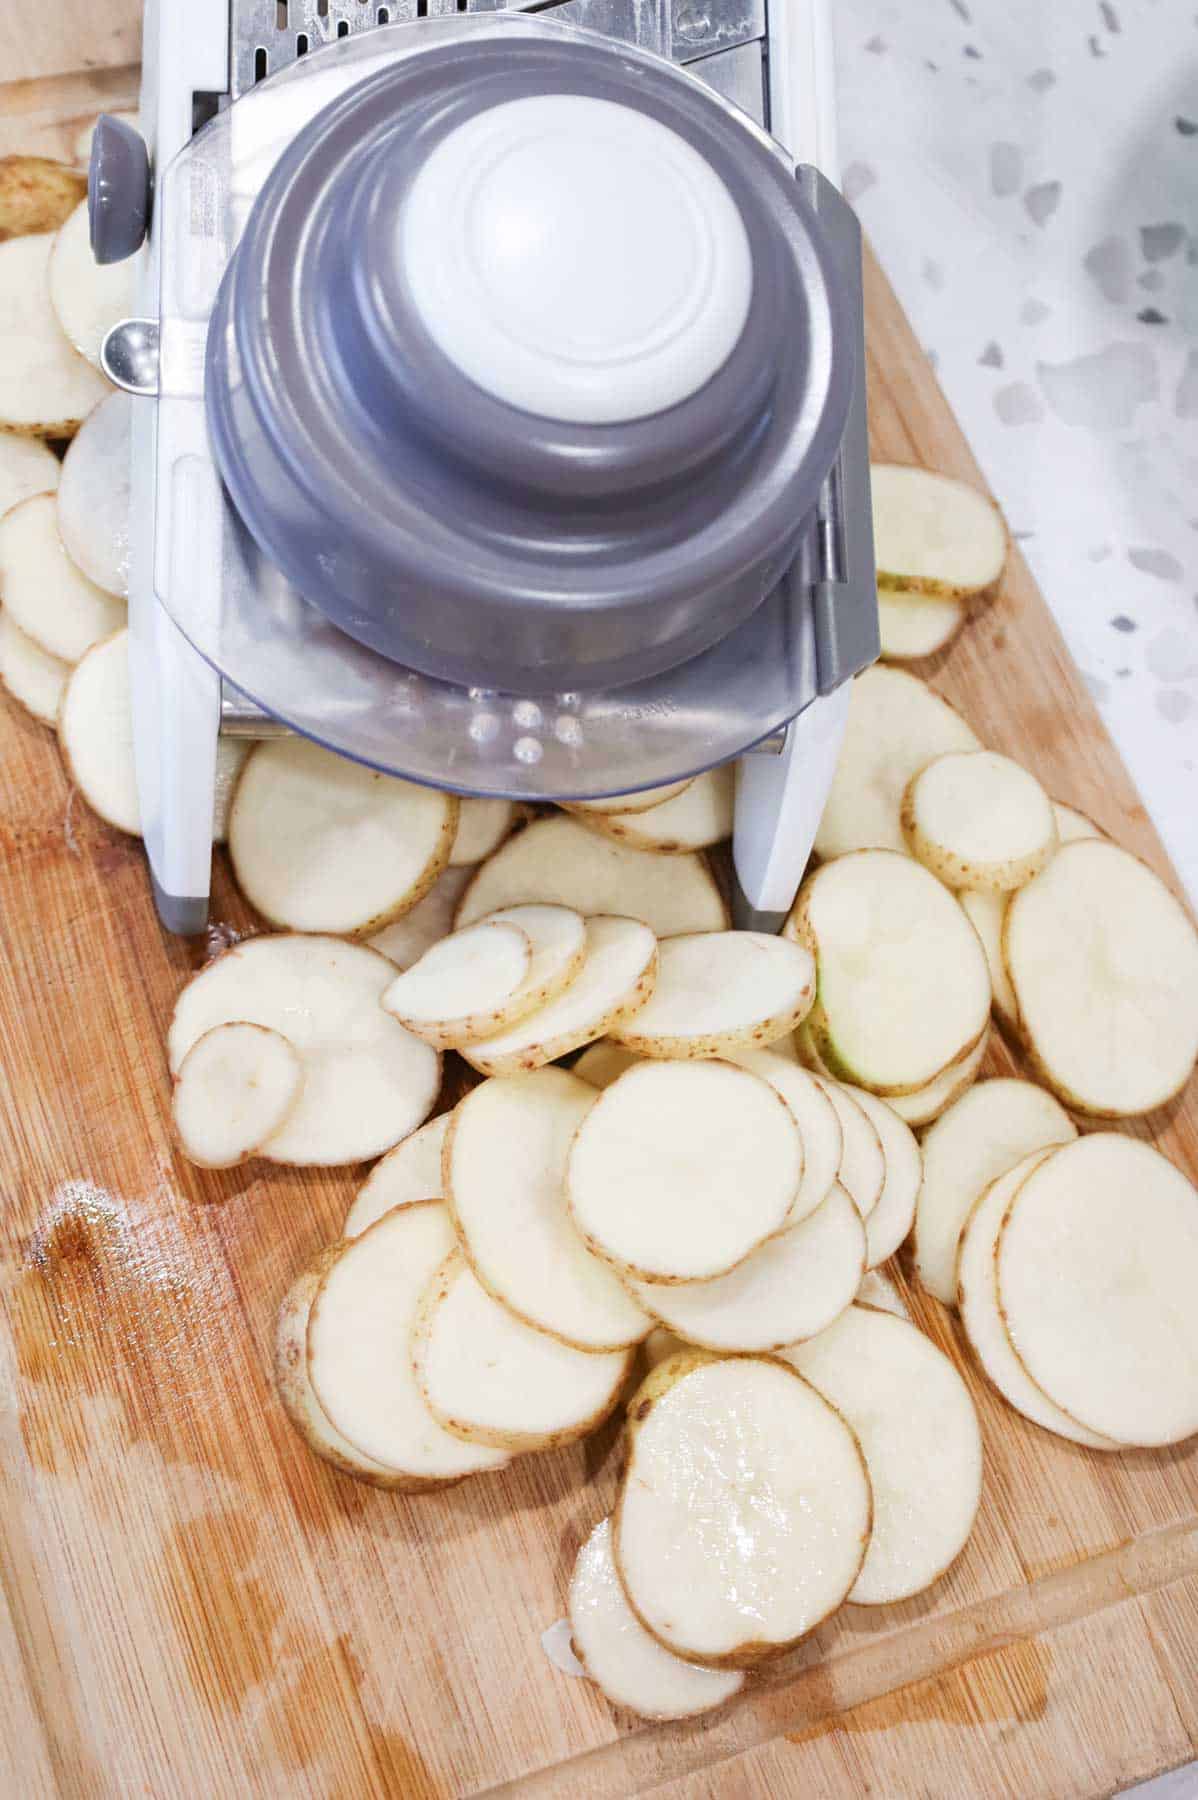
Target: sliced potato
(903,988)
(321,843)
(977,1300)
(679,1170)
(978,820)
(297,1394)
(95,734)
(896,725)
(367,1081)
(641,801)
(560,861)
(93,495)
(504,1169)
(37,194)
(919,1435)
(699,816)
(788,1289)
(490,1379)
(721,991)
(88,297)
(1097,1267)
(818,1121)
(1103,962)
(889,1222)
(935,535)
(628,1665)
(927,1103)
(236,1087)
(27,467)
(986,913)
(412,1171)
(616,977)
(603,1062)
(52,601)
(558,937)
(31,675)
(917,625)
(482,827)
(466,986)
(1072,824)
(733,1544)
(975,1140)
(878,1290)
(359,1364)
(862,1170)
(406,939)
(46,388)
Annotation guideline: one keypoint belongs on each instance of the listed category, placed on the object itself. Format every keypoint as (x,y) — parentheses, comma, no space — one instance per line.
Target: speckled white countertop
(1028,175)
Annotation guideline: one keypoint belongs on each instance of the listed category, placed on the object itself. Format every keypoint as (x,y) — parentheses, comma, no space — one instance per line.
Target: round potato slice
(788,1289)
(693,819)
(88,297)
(978,820)
(31,675)
(935,535)
(982,1135)
(560,861)
(1097,1265)
(37,194)
(817,1119)
(977,1300)
(917,625)
(679,1170)
(625,1663)
(504,1171)
(903,987)
(603,1062)
(744,1511)
(412,1171)
(95,734)
(641,801)
(27,467)
(482,827)
(235,1088)
(919,1435)
(52,601)
(927,1103)
(558,936)
(320,843)
(890,1220)
(490,1379)
(896,725)
(862,1170)
(298,1396)
(93,495)
(1072,824)
(616,977)
(1103,962)
(986,913)
(367,1081)
(468,985)
(359,1363)
(46,388)
(405,940)
(721,991)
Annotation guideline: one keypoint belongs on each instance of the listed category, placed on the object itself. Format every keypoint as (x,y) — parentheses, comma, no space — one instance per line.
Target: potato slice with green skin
(412,1171)
(359,1331)
(367,1081)
(631,803)
(88,297)
(1103,962)
(862,1170)
(94,495)
(468,985)
(719,992)
(891,1219)
(986,913)
(235,1088)
(616,977)
(405,940)
(603,1062)
(52,601)
(903,990)
(560,861)
(696,818)
(913,626)
(679,1170)
(27,467)
(896,725)
(628,1665)
(95,733)
(977,1301)
(927,1103)
(482,827)
(31,675)
(978,820)
(788,1289)
(919,1434)
(744,1511)
(298,1396)
(46,389)
(1072,824)
(320,843)
(935,535)
(37,194)
(504,1168)
(982,1135)
(490,1379)
(820,1130)
(1097,1268)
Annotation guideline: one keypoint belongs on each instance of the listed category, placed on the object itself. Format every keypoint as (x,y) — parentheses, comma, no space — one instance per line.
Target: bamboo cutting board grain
(193,1606)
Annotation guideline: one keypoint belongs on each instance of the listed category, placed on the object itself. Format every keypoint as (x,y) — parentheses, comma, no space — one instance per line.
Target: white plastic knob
(576,258)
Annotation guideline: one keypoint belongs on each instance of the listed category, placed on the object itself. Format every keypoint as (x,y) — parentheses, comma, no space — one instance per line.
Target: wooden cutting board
(193,1606)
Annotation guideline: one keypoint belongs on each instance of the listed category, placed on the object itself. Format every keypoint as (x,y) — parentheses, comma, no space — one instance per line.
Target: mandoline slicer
(501,417)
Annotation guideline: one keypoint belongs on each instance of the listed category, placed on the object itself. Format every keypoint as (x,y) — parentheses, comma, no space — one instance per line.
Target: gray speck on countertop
(1121,622)
(1174,704)
(1152,280)
(1159,242)
(1042,201)
(1040,80)
(1108,264)
(991,357)
(1161,563)
(1151,315)
(1101,391)
(1110,17)
(933,273)
(1170,656)
(1186,127)
(1006,169)
(1096,48)
(1034,312)
(877,46)
(1018,404)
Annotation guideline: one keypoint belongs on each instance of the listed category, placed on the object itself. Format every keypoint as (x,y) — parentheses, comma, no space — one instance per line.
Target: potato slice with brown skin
(48,596)
(630,803)
(95,733)
(482,827)
(412,1171)
(46,388)
(917,625)
(235,1088)
(34,678)
(978,820)
(935,535)
(27,467)
(468,985)
(986,913)
(695,819)
(927,1103)
(718,992)
(37,194)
